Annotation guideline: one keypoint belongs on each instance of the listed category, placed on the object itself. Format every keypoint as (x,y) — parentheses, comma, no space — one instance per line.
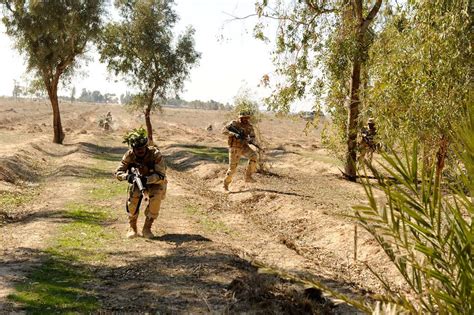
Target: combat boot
(146,232)
(132,230)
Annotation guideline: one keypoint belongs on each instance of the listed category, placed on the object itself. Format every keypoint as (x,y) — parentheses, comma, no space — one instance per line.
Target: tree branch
(318,9)
(374,11)
(358,10)
(280,18)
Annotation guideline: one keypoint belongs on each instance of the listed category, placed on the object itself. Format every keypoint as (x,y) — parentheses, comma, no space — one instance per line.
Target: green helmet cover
(136,138)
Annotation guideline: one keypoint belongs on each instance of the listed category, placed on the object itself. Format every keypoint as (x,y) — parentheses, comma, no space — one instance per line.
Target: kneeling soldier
(145,164)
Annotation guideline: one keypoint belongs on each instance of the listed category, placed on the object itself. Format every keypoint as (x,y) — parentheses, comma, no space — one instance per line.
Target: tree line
(141,47)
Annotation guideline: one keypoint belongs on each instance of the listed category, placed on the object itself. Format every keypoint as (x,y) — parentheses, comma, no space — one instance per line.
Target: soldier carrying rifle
(240,134)
(144,168)
(367,143)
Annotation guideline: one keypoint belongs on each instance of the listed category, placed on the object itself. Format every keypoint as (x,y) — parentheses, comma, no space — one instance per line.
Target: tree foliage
(52,34)
(141,46)
(314,35)
(421,72)
(426,230)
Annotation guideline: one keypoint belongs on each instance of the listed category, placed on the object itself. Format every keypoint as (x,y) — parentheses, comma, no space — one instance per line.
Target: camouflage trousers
(366,152)
(152,199)
(235,153)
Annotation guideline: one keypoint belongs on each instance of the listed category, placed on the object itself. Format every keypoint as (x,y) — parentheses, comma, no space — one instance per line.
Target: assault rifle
(242,136)
(138,181)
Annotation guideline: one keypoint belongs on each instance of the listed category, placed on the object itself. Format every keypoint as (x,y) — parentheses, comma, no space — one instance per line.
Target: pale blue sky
(231,57)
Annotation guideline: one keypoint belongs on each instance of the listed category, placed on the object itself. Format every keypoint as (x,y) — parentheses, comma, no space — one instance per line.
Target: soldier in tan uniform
(240,133)
(367,144)
(152,169)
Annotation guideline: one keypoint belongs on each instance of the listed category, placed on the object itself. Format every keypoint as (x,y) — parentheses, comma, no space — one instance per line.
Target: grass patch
(10,200)
(109,157)
(106,188)
(219,155)
(58,285)
(207,222)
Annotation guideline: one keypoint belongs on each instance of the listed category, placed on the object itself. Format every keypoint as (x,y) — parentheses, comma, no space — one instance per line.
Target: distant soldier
(144,168)
(240,134)
(367,144)
(108,121)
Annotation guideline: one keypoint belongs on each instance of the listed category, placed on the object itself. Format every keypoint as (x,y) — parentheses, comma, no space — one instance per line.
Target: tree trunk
(52,88)
(441,157)
(352,122)
(353,110)
(149,128)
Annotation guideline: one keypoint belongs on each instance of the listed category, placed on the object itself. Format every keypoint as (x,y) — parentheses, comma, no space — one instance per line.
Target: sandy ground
(292,218)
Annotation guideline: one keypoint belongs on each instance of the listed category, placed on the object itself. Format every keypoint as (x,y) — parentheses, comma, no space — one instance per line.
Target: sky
(231,58)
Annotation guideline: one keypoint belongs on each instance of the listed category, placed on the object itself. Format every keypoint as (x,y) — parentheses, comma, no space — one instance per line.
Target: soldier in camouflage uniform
(152,169)
(240,133)
(367,144)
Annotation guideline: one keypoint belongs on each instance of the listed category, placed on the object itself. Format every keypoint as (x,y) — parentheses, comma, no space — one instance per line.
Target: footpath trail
(68,253)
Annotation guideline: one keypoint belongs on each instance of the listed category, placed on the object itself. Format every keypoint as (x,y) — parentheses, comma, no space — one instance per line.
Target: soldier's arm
(160,164)
(252,134)
(225,129)
(122,171)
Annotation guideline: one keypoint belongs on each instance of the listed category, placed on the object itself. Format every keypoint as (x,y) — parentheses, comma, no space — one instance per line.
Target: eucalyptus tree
(52,35)
(141,46)
(421,73)
(322,34)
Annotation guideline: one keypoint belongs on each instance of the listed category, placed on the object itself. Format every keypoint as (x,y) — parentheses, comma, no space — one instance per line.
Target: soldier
(367,144)
(152,172)
(240,133)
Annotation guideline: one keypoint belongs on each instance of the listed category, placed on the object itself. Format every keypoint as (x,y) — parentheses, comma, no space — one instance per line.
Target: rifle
(242,136)
(138,181)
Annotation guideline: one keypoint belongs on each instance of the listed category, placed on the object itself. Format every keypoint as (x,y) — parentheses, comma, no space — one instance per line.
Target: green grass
(10,200)
(58,285)
(106,188)
(219,155)
(208,223)
(109,157)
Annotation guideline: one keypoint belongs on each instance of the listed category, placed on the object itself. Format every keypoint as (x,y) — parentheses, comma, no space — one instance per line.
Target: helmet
(245,114)
(136,138)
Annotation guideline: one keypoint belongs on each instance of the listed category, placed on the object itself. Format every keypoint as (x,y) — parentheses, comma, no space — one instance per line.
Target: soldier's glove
(131,178)
(236,135)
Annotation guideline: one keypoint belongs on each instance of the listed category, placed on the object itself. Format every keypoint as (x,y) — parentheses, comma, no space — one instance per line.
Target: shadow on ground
(187,279)
(179,239)
(80,171)
(103,152)
(288,193)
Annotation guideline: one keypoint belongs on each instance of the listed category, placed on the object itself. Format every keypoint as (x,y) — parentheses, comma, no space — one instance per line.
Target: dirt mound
(271,295)
(18,169)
